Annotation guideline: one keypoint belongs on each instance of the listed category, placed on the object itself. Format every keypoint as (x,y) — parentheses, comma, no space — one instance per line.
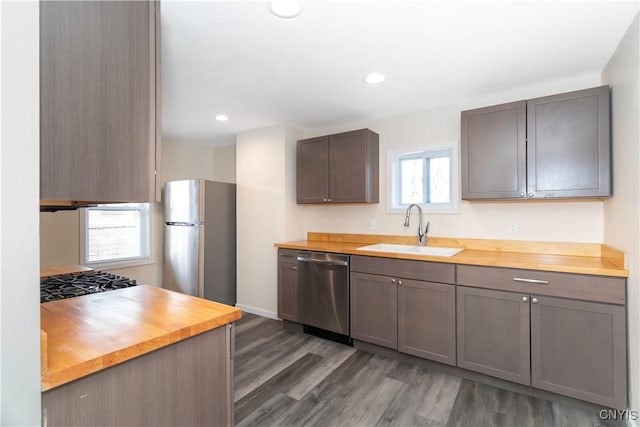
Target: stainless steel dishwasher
(323,291)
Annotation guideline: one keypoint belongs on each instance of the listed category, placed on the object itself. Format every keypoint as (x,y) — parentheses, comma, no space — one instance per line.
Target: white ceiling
(236,58)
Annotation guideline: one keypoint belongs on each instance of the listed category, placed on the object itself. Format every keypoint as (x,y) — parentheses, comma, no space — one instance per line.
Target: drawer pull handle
(540,282)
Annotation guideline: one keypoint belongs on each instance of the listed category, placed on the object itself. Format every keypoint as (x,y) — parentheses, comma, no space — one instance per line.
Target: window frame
(394,156)
(146,236)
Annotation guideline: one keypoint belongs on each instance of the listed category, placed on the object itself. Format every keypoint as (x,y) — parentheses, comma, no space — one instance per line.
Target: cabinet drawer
(575,286)
(407,269)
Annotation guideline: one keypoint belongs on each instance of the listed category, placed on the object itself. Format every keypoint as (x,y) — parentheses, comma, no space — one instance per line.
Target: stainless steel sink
(408,249)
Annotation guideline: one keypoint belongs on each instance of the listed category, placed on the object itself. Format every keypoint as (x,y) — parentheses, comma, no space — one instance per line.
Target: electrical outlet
(371,224)
(513,227)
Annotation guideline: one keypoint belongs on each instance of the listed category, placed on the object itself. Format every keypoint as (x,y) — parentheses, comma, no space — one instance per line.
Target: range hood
(64,205)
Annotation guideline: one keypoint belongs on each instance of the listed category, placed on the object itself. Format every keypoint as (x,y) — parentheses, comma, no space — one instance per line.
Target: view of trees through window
(425,180)
(115,233)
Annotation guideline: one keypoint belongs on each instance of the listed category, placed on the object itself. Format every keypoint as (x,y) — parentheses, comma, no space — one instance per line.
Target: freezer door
(183,201)
(183,259)
(220,243)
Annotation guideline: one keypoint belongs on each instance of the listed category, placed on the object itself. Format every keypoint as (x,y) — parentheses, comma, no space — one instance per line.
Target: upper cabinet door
(569,148)
(494,152)
(353,160)
(313,170)
(98,118)
(338,168)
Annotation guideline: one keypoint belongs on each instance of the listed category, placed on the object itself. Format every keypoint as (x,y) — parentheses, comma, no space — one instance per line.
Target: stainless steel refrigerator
(200,239)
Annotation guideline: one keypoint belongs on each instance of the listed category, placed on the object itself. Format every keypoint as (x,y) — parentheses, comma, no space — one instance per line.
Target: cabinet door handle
(534,300)
(393,281)
(399,282)
(539,282)
(525,299)
(530,195)
(294,267)
(522,195)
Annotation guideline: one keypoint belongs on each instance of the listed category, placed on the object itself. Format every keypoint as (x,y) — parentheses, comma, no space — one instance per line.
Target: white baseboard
(258,311)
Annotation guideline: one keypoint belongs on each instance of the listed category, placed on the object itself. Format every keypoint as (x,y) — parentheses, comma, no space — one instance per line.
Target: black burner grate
(75,285)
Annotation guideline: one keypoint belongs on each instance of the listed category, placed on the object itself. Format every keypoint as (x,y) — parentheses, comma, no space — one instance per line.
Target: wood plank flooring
(284,378)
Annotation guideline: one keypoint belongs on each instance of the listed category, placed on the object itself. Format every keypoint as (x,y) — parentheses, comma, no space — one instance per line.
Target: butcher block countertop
(86,334)
(581,258)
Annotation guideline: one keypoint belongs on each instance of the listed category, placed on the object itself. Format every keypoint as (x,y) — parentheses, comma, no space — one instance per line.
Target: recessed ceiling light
(374,78)
(285,8)
(222,118)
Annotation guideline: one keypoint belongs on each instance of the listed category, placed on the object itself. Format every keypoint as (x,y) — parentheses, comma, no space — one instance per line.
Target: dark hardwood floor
(293,379)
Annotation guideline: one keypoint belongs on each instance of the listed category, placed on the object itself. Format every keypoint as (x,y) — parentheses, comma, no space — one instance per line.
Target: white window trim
(440,208)
(121,263)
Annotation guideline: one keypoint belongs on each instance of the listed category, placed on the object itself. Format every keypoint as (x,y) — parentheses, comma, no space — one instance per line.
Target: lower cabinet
(404,310)
(287,285)
(578,349)
(374,309)
(493,333)
(560,332)
(189,383)
(570,347)
(427,320)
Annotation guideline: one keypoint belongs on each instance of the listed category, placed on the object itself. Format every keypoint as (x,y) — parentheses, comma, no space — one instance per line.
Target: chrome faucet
(422,234)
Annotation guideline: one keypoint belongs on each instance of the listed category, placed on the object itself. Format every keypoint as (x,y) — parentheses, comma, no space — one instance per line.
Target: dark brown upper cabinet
(569,145)
(99,101)
(494,162)
(339,168)
(557,146)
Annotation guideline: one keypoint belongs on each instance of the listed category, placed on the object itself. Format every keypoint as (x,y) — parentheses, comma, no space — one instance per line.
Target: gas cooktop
(74,285)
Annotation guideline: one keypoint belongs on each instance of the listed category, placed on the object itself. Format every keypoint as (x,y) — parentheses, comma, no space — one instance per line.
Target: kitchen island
(137,356)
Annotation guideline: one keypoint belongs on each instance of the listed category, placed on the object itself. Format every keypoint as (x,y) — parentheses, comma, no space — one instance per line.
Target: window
(115,235)
(426,177)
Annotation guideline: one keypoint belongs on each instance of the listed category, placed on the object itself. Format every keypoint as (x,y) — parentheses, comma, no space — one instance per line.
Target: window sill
(119,264)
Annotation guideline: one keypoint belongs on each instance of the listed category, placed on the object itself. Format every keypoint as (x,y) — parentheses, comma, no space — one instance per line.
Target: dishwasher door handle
(322,261)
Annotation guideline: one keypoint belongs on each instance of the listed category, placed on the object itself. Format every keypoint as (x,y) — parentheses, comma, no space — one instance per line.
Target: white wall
(268,213)
(19,194)
(262,158)
(622,211)
(577,221)
(224,163)
(185,161)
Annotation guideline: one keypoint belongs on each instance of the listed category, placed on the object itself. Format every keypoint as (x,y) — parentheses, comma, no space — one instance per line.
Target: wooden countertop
(581,258)
(89,333)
